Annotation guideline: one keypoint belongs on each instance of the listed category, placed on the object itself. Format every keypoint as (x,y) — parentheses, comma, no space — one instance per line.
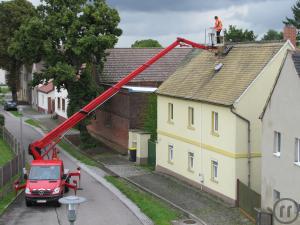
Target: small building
(126,110)
(46,98)
(281,136)
(209,132)
(61,99)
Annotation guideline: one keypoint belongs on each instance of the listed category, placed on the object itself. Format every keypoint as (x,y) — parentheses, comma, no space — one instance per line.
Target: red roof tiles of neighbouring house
(46,88)
(121,61)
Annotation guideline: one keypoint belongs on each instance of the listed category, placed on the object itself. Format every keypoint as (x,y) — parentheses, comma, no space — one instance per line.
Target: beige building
(209,132)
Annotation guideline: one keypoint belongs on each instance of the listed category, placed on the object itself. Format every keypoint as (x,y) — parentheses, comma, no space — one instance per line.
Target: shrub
(2,120)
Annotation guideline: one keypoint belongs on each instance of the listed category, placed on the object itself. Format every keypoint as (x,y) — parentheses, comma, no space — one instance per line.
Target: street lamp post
(72,203)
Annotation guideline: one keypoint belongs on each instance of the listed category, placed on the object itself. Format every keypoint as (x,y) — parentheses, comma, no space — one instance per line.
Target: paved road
(102,208)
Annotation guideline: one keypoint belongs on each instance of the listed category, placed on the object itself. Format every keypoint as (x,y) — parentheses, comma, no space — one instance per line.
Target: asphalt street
(102,206)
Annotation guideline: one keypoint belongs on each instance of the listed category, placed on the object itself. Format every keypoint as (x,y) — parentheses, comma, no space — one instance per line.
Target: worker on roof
(218,27)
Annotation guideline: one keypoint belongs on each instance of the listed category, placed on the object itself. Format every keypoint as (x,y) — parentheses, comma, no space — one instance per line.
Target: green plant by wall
(150,123)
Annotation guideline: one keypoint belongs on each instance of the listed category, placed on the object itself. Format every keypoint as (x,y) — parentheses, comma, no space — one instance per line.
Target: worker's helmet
(216,17)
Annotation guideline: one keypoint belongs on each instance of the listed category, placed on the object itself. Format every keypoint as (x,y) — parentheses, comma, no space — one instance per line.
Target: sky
(164,20)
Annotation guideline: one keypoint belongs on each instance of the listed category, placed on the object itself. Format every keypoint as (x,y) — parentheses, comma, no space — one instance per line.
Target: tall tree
(296,12)
(272,35)
(235,34)
(67,35)
(12,15)
(147,43)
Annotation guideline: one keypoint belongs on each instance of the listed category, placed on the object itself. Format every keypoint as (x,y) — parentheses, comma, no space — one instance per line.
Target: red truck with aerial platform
(47,180)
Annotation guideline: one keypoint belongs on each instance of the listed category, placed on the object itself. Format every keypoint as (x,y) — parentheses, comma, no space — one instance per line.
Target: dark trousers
(218,37)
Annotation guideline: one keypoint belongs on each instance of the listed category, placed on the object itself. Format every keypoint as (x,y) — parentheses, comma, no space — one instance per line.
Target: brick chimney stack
(290,33)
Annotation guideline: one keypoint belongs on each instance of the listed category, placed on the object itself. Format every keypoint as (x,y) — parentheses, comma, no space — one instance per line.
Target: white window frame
(215,122)
(297,151)
(170,152)
(170,111)
(214,170)
(191,160)
(191,116)
(277,143)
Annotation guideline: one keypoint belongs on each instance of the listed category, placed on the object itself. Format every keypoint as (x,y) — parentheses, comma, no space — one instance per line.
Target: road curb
(145,220)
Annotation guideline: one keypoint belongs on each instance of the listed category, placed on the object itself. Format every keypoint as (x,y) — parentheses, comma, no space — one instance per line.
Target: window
(277,143)
(191,160)
(214,170)
(170,112)
(191,116)
(276,195)
(170,153)
(58,102)
(297,151)
(63,104)
(215,122)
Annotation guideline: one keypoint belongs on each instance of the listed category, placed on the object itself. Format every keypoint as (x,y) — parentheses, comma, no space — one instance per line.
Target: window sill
(191,127)
(297,163)
(170,122)
(170,162)
(190,170)
(213,133)
(277,154)
(214,181)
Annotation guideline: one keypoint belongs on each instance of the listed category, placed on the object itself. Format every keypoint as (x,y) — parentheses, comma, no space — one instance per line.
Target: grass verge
(9,196)
(76,154)
(158,211)
(34,123)
(16,113)
(5,153)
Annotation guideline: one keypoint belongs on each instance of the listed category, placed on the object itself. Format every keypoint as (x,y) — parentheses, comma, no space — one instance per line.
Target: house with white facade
(281,138)
(209,132)
(2,77)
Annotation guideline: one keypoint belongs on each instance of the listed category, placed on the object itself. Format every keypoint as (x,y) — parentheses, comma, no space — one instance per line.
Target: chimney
(290,33)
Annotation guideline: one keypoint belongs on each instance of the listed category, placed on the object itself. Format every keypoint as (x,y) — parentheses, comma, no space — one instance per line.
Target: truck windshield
(44,173)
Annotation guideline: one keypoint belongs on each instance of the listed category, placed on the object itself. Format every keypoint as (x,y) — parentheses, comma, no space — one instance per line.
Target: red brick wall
(290,33)
(123,112)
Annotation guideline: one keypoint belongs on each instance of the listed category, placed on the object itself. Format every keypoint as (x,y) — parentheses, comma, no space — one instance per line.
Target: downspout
(249,144)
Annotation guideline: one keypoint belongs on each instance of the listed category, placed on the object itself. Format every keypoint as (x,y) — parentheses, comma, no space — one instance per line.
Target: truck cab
(45,182)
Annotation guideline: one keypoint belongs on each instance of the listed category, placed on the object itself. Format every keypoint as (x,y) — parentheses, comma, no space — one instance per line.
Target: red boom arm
(56,134)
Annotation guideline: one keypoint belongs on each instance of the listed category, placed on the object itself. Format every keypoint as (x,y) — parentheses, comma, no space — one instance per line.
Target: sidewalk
(202,205)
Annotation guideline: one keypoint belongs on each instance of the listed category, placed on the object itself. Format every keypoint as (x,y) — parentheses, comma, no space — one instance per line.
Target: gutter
(249,143)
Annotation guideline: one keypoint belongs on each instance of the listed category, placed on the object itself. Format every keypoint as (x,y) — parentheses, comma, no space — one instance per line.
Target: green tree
(234,34)
(67,35)
(296,12)
(150,121)
(12,15)
(272,35)
(148,43)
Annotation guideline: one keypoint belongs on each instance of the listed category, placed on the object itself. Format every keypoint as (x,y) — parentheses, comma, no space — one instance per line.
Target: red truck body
(42,189)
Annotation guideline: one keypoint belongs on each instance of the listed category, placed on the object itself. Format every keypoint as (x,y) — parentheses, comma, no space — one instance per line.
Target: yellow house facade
(209,132)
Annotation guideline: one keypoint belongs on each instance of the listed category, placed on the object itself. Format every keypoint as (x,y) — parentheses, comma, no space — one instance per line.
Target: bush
(2,120)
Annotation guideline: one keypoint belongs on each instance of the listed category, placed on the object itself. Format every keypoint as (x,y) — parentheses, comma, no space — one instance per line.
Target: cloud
(177,5)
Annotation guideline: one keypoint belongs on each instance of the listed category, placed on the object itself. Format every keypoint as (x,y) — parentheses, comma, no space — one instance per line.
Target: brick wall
(114,119)
(290,33)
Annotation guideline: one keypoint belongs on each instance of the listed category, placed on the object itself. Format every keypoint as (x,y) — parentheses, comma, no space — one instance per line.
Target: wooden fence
(14,167)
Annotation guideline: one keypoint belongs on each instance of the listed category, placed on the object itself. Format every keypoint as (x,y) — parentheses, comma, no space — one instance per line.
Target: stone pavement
(208,208)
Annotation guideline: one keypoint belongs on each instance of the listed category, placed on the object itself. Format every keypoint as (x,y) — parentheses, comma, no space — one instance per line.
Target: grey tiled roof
(296,59)
(122,61)
(197,79)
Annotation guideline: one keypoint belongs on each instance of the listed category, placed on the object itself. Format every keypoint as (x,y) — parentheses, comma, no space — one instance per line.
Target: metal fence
(12,168)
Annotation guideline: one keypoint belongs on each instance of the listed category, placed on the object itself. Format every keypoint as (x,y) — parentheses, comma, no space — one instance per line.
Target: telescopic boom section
(59,131)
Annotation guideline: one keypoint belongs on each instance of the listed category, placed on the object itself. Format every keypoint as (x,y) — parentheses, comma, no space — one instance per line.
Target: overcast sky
(164,20)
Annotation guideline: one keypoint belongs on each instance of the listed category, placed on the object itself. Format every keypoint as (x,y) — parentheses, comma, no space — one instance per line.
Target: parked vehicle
(10,105)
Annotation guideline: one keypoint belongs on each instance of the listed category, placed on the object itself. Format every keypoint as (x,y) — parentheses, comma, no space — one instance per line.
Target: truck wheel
(57,204)
(28,203)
